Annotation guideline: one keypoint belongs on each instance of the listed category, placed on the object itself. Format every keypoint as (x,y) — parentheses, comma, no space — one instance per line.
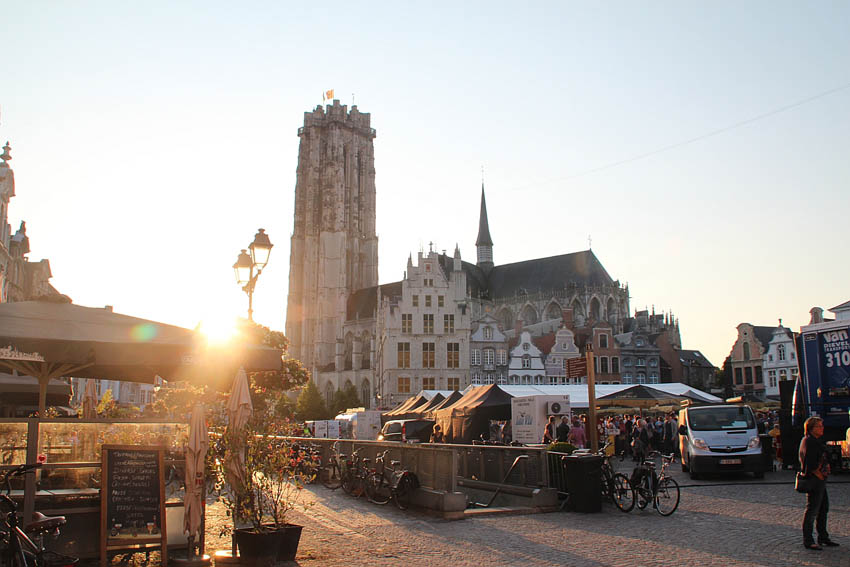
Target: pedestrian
(668,435)
(563,431)
(507,433)
(577,434)
(550,431)
(675,424)
(814,466)
(437,434)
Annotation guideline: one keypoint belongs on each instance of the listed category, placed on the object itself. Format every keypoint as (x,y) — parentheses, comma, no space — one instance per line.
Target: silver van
(720,439)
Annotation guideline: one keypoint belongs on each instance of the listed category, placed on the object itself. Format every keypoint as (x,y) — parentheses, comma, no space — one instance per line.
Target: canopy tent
(470,416)
(48,340)
(578,392)
(410,404)
(639,396)
(449,401)
(423,410)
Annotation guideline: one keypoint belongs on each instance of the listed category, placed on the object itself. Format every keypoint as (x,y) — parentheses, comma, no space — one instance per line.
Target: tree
(723,377)
(344,399)
(310,405)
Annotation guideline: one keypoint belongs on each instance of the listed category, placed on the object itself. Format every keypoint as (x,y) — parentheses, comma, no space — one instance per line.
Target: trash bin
(584,482)
(766,452)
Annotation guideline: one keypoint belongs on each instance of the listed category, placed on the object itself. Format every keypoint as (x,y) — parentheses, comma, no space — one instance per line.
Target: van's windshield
(711,419)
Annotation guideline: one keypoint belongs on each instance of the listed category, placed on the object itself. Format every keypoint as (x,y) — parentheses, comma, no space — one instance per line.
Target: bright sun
(218,329)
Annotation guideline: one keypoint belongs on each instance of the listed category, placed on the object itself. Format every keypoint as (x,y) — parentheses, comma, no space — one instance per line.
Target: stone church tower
(334,245)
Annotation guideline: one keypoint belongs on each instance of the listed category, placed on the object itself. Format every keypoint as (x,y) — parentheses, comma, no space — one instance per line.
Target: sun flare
(218,329)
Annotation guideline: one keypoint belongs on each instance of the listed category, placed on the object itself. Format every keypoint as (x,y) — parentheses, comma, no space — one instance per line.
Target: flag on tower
(328,95)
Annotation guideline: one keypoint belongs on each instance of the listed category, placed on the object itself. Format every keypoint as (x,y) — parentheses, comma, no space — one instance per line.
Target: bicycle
(354,474)
(616,486)
(18,548)
(660,489)
(331,473)
(390,482)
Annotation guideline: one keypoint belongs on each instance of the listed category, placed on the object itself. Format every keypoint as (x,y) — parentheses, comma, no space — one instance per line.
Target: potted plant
(264,487)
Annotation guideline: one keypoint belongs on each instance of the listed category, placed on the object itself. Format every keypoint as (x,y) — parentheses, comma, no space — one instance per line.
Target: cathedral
(391,340)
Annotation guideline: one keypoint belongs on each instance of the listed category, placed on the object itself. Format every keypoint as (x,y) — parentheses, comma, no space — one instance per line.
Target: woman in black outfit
(814,465)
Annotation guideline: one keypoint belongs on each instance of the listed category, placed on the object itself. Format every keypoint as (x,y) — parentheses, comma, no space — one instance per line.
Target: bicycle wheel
(667,496)
(403,492)
(644,494)
(347,481)
(377,489)
(622,493)
(331,476)
(607,484)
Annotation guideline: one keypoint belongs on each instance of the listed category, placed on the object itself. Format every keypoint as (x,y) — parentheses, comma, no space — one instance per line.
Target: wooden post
(592,433)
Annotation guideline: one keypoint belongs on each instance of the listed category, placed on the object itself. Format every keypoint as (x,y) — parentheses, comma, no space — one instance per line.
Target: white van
(720,439)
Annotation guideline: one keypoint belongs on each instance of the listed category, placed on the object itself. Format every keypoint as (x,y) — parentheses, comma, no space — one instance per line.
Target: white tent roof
(578,392)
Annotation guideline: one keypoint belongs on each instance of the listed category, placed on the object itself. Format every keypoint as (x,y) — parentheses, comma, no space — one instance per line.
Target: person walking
(550,431)
(563,430)
(814,466)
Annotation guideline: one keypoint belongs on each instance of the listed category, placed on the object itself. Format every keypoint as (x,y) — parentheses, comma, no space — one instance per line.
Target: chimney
(817,315)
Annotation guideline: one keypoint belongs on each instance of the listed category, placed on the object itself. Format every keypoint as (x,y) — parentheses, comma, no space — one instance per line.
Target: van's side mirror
(683,430)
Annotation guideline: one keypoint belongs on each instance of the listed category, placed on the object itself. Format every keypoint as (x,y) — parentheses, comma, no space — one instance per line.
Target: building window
(653,362)
(404,355)
(525,346)
(746,351)
(476,378)
(503,378)
(453,382)
(603,341)
(416,301)
(453,355)
(428,383)
(404,384)
(501,357)
(771,378)
(627,361)
(428,350)
(489,378)
(759,377)
(627,378)
(615,365)
(441,301)
(406,322)
(780,352)
(488,356)
(793,355)
(488,333)
(793,372)
(603,365)
(639,342)
(641,361)
(427,301)
(448,323)
(427,266)
(475,357)
(564,363)
(748,375)
(428,323)
(653,378)
(526,361)
(739,379)
(641,378)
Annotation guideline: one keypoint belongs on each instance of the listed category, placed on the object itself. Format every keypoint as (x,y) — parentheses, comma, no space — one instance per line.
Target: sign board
(577,367)
(132,498)
(529,416)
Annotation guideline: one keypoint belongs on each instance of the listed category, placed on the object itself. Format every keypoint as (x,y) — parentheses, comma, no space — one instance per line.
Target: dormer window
(488,333)
(427,266)
(525,346)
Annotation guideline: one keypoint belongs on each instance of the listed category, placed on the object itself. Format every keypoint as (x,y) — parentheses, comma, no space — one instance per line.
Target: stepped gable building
(747,357)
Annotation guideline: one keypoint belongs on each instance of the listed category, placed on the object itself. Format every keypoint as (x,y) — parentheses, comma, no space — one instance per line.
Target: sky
(702,147)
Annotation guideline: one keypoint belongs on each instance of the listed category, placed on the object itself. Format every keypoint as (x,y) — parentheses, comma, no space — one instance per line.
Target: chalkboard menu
(132,497)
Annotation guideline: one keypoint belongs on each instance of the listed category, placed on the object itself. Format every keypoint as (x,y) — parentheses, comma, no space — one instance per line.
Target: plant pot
(288,538)
(257,547)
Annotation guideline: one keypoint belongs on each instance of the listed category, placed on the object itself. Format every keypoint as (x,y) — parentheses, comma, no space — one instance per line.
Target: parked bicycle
(24,546)
(331,473)
(390,482)
(354,474)
(660,489)
(615,486)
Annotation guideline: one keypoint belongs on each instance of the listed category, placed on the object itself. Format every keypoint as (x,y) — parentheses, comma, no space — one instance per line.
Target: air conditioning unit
(557,408)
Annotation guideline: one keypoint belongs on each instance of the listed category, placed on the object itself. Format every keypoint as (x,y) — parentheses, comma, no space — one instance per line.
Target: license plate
(730,461)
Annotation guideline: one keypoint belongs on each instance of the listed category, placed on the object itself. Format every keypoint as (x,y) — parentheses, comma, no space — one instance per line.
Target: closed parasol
(196,453)
(239,410)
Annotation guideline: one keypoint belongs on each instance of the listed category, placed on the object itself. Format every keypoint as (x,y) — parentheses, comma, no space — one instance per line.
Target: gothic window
(404,355)
(428,358)
(553,311)
(475,357)
(404,384)
(488,333)
(528,315)
(453,382)
(506,318)
(448,323)
(746,351)
(595,309)
(611,311)
(780,351)
(329,393)
(428,323)
(453,355)
(366,394)
(406,323)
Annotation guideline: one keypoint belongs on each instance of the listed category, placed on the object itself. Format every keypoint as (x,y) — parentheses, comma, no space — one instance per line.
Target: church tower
(484,244)
(334,246)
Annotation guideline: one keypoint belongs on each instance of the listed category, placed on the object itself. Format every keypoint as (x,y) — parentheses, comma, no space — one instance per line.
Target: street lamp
(246,265)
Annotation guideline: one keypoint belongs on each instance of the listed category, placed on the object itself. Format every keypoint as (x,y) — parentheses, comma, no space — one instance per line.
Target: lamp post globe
(261,248)
(248,267)
(243,268)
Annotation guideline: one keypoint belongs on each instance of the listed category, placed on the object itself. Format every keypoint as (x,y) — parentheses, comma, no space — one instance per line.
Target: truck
(360,423)
(823,383)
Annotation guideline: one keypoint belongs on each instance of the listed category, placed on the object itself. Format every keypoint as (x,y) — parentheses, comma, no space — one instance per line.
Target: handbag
(803,483)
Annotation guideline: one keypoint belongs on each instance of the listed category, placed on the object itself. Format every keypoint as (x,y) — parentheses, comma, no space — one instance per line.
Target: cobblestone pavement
(749,523)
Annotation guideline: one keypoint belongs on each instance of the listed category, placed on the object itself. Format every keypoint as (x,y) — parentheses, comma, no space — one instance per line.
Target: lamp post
(246,265)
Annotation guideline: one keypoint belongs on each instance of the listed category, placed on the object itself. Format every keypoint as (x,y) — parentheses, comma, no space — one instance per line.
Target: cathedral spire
(484,243)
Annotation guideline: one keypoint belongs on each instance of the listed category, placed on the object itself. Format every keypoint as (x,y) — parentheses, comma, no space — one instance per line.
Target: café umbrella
(196,452)
(239,410)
